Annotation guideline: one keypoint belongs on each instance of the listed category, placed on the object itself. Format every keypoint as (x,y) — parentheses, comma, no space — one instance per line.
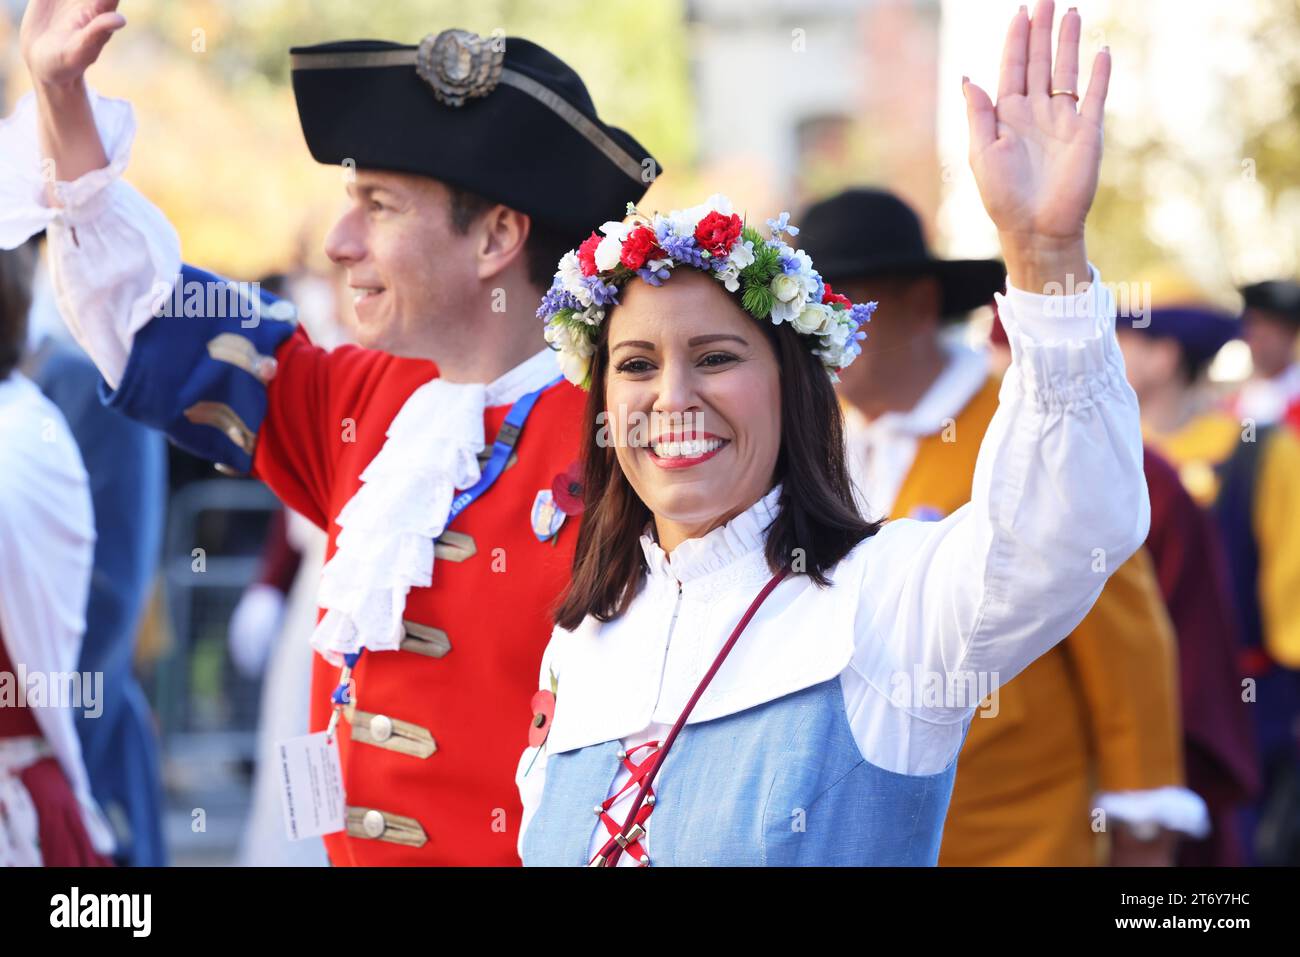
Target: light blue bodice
(779,784)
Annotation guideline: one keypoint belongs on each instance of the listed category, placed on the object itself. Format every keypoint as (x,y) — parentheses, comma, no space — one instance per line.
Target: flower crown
(773,280)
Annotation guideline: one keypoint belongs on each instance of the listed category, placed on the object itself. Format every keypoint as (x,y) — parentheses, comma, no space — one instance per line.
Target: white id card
(311,786)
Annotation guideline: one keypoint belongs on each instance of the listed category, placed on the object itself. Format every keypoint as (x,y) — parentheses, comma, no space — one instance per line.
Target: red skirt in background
(63,837)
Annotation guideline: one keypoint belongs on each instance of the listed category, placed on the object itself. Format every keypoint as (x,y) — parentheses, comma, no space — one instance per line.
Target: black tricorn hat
(497,116)
(1281,297)
(866,233)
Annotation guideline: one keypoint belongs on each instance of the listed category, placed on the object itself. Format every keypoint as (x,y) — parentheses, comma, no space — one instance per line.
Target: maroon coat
(1219,749)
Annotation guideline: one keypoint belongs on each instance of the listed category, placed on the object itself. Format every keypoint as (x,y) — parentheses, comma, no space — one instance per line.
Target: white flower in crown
(611,247)
(573,351)
(742,255)
(794,289)
(837,335)
(570,276)
(815,319)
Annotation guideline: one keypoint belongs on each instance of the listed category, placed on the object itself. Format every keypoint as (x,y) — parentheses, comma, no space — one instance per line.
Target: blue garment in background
(128,479)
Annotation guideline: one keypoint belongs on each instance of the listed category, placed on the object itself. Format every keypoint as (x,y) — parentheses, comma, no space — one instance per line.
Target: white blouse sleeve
(949,610)
(113,255)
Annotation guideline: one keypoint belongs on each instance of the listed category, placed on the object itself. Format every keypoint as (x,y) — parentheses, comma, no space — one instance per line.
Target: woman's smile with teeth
(686,449)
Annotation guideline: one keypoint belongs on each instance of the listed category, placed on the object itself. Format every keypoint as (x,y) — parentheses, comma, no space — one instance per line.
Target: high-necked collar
(698,557)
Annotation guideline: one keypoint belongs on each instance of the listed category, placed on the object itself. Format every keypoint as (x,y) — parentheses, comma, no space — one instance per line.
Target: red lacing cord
(637,772)
(609,853)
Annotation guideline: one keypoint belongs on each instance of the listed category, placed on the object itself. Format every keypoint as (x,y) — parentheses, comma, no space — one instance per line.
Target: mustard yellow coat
(1099,712)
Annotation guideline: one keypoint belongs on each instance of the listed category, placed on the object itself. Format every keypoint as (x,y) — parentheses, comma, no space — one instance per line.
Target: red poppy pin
(543,712)
(566,488)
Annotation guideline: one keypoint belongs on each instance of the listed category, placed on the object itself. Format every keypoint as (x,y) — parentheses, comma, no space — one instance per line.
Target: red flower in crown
(639,246)
(587,254)
(566,490)
(829,297)
(718,233)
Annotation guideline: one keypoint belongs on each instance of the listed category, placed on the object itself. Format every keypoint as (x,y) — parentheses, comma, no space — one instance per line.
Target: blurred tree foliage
(1272,144)
(219,148)
(1216,199)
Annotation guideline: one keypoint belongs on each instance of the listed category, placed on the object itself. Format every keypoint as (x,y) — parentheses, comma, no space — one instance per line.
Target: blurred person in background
(450,238)
(1245,473)
(1191,566)
(128,483)
(48,815)
(1093,723)
(1219,754)
(1270,323)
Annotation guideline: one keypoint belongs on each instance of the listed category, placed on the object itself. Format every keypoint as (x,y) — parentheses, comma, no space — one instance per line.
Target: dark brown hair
(543,248)
(817,518)
(17,267)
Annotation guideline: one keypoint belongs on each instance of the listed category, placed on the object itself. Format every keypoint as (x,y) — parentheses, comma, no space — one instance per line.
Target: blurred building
(797,99)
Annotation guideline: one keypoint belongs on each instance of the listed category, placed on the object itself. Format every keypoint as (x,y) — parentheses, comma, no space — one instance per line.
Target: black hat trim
(363,59)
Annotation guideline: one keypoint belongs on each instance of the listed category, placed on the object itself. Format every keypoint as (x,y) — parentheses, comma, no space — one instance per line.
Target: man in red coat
(436,465)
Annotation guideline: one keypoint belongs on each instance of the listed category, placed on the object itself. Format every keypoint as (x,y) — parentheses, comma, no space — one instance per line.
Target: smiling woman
(715,387)
(728,655)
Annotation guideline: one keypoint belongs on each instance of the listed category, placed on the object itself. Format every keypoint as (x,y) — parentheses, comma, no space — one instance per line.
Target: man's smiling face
(408,269)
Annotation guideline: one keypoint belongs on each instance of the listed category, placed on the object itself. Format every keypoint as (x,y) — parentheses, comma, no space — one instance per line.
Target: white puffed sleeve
(951,609)
(113,255)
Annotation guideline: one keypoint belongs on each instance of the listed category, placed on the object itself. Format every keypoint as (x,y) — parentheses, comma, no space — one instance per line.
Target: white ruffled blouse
(47,550)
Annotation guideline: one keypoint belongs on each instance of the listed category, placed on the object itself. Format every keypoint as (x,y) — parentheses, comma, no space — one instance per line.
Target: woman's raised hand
(1037,152)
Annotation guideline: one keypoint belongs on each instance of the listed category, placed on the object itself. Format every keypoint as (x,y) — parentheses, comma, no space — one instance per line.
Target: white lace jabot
(385,545)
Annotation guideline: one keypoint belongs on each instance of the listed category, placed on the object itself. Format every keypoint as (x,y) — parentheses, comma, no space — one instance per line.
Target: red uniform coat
(327,416)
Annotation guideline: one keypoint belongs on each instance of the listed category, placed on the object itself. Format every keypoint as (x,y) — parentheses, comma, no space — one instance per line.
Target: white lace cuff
(24,173)
(1172,808)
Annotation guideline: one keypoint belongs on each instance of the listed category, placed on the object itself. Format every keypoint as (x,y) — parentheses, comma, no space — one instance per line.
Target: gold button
(381,727)
(373,823)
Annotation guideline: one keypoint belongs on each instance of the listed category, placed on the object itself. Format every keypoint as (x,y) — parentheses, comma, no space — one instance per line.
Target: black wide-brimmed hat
(870,233)
(1280,297)
(497,116)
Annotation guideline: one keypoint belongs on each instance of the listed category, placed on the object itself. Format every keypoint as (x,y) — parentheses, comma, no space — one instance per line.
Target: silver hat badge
(459,65)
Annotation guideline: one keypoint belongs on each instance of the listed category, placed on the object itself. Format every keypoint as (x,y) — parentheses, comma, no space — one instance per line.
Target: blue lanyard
(501,449)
